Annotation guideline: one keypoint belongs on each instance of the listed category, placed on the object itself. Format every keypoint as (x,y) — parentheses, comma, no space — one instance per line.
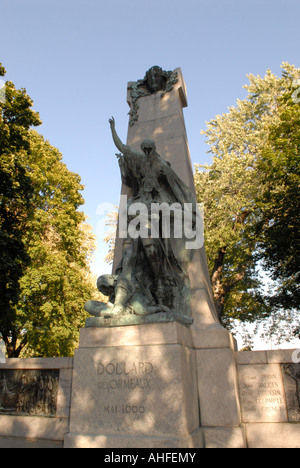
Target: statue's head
(151,248)
(148,147)
(106,284)
(156,79)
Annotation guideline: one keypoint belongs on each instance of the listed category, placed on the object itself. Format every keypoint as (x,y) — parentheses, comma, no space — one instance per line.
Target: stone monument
(154,366)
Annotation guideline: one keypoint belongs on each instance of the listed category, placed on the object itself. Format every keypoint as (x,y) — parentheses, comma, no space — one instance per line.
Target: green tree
(232,189)
(45,243)
(279,204)
(60,244)
(228,191)
(16,118)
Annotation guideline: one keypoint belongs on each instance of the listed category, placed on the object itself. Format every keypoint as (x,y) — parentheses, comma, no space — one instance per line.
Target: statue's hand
(115,137)
(112,123)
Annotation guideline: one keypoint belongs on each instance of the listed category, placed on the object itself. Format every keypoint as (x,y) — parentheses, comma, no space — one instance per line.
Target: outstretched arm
(126,150)
(121,147)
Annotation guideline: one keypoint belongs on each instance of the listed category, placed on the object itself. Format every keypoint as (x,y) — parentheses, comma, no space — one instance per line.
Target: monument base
(194,440)
(156,385)
(135,386)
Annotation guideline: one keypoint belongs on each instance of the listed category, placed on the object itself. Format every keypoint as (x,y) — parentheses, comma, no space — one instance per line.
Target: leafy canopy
(45,243)
(249,191)
(16,191)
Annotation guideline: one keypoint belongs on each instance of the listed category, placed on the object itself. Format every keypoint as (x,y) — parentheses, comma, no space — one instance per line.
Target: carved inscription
(261,393)
(124,383)
(29,392)
(125,409)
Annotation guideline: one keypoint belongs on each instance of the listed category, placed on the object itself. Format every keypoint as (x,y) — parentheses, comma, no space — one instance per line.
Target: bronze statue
(152,277)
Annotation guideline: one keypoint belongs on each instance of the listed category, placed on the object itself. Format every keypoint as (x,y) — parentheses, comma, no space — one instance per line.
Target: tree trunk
(11,347)
(221,289)
(217,286)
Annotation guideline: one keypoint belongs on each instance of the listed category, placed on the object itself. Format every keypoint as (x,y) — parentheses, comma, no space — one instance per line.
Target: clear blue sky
(75,58)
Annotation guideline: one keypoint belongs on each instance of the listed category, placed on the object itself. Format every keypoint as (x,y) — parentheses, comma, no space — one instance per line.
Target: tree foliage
(245,197)
(279,204)
(16,191)
(59,243)
(45,243)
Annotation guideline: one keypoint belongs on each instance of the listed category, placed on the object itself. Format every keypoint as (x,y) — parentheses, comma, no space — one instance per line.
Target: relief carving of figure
(29,392)
(156,79)
(294,373)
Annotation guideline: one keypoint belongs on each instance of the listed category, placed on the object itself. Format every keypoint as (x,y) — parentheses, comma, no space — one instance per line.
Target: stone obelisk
(159,117)
(158,385)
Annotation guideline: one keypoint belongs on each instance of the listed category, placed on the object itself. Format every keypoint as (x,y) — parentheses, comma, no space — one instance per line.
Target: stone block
(214,337)
(64,393)
(33,427)
(273,436)
(224,437)
(262,394)
(152,333)
(13,442)
(132,392)
(38,363)
(251,357)
(280,356)
(25,428)
(217,384)
(195,440)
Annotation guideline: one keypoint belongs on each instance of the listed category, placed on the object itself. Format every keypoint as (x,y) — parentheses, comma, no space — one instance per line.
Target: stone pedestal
(135,387)
(154,386)
(218,389)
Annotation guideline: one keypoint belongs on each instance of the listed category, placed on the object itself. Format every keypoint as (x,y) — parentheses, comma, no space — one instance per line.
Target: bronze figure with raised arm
(152,276)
